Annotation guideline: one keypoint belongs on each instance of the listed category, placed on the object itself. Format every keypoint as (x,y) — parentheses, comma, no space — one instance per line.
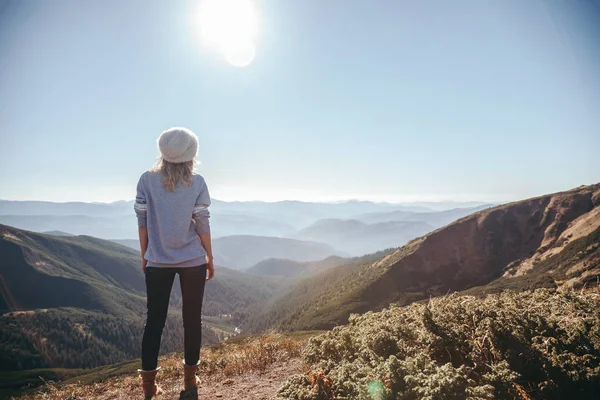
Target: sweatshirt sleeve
(201,213)
(140,206)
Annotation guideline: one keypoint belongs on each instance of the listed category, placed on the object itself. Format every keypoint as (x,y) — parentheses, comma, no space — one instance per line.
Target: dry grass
(254,354)
(219,363)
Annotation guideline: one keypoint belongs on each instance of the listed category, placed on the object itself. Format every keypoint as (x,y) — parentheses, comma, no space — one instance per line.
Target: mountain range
(355,237)
(349,228)
(548,241)
(243,251)
(117,221)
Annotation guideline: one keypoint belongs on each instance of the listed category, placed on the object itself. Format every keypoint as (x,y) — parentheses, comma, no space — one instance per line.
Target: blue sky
(379,100)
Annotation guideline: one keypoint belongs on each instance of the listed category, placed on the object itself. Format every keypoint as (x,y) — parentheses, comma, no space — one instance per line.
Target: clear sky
(381,100)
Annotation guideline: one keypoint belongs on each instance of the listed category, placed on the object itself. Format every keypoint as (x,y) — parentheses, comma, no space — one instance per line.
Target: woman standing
(173,222)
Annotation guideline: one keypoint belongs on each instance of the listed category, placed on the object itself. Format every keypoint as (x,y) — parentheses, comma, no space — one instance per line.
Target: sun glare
(230,27)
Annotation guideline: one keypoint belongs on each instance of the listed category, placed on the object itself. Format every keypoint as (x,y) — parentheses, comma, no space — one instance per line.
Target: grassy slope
(555,269)
(42,271)
(294,269)
(278,267)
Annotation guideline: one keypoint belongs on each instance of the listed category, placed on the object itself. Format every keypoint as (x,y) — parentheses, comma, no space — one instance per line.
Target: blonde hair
(173,173)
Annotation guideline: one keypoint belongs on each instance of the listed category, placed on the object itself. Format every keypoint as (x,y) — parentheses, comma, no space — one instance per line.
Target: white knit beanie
(178,145)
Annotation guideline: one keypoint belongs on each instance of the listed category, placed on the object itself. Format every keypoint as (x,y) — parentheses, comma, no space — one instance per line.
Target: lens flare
(376,390)
(230,27)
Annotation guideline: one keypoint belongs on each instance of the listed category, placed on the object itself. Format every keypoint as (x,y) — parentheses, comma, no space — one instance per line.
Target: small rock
(227,381)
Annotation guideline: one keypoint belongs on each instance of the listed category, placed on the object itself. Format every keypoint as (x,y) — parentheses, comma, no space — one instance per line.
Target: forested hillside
(76,338)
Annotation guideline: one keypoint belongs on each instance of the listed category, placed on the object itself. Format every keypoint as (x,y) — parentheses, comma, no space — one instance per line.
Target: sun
(230,27)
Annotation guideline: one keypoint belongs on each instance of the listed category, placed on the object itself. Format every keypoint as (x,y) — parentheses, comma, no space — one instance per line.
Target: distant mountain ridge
(104,227)
(58,233)
(117,221)
(19,207)
(243,251)
(356,237)
(294,269)
(436,219)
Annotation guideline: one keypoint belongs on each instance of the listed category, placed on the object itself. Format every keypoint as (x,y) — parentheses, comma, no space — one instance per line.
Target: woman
(172,210)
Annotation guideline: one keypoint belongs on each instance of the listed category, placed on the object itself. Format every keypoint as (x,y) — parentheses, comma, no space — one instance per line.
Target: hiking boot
(189,394)
(149,385)
(190,379)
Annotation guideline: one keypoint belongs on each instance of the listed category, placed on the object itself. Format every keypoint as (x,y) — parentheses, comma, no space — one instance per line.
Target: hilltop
(454,347)
(250,368)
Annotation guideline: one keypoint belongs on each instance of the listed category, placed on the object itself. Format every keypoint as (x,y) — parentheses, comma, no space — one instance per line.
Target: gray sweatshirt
(174,220)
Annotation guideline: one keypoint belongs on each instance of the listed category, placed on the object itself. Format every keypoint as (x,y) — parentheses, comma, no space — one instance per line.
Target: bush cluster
(531,345)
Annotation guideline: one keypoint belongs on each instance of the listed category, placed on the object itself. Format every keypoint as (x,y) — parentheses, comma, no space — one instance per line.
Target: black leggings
(159,282)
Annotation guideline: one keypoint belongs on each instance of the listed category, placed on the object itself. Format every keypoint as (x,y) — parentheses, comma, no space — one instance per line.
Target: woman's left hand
(210,269)
(144,263)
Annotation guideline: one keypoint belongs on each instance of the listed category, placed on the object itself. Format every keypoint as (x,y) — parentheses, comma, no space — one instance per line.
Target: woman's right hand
(210,269)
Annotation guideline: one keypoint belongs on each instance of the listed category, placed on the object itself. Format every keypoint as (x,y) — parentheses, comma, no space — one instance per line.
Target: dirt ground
(252,385)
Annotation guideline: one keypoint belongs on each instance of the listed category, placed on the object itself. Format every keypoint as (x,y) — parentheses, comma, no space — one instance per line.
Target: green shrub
(530,345)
